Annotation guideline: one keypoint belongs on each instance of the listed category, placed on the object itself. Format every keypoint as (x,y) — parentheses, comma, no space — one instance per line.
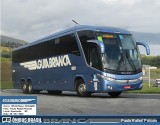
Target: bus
(85,59)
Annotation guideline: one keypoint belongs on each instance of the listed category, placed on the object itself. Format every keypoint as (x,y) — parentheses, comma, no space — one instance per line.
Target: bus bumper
(116,87)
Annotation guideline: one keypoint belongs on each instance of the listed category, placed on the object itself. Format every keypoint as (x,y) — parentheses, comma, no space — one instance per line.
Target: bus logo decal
(59,61)
(31,65)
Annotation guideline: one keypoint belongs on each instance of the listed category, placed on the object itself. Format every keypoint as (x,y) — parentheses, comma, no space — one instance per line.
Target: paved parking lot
(70,103)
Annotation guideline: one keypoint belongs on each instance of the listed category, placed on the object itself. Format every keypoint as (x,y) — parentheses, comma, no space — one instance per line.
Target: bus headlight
(105,77)
(140,78)
(120,81)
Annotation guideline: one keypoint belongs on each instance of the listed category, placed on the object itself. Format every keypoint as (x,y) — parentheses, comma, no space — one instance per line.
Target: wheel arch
(29,79)
(22,81)
(78,77)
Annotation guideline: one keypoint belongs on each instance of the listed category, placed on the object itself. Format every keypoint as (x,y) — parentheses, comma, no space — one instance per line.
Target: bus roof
(78,28)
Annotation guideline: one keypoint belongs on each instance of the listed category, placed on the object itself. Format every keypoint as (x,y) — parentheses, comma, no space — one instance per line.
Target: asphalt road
(70,103)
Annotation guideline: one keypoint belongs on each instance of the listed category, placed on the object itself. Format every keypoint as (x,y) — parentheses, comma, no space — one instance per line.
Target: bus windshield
(121,53)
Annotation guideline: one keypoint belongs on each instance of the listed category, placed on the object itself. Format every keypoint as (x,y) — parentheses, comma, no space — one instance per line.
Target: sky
(30,20)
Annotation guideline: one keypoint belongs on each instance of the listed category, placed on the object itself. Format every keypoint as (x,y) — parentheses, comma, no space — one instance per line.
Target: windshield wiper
(120,61)
(130,61)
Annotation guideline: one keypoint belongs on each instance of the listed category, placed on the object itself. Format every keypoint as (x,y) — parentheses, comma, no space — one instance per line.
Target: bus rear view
(105,59)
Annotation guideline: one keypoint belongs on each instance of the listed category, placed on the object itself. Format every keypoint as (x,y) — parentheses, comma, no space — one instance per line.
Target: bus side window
(84,36)
(93,57)
(66,45)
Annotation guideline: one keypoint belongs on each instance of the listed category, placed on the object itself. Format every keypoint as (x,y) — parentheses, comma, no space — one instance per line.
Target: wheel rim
(24,86)
(30,87)
(82,88)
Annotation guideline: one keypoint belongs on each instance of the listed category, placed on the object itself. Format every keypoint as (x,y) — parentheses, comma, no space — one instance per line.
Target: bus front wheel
(114,94)
(81,89)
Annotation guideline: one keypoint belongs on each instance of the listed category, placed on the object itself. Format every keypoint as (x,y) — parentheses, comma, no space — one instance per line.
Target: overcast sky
(32,19)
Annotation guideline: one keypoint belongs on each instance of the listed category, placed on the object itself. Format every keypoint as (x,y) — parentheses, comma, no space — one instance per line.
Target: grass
(5,49)
(6,73)
(146,89)
(6,70)
(155,73)
(5,60)
(6,85)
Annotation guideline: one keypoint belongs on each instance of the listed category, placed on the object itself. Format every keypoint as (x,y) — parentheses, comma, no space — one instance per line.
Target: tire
(30,87)
(81,89)
(24,87)
(54,92)
(114,94)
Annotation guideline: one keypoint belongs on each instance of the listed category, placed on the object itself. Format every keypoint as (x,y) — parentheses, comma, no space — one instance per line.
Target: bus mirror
(146,46)
(100,44)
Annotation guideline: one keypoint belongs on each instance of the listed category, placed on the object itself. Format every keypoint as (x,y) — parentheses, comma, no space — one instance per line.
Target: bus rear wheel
(114,94)
(81,89)
(30,87)
(54,92)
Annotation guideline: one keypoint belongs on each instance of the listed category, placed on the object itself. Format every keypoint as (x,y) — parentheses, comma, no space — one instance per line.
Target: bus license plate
(127,87)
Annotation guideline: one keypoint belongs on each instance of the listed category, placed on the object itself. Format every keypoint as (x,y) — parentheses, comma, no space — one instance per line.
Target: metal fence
(146,74)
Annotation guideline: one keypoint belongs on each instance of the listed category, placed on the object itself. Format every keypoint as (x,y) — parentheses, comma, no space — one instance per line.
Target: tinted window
(63,45)
(38,51)
(93,57)
(66,45)
(84,36)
